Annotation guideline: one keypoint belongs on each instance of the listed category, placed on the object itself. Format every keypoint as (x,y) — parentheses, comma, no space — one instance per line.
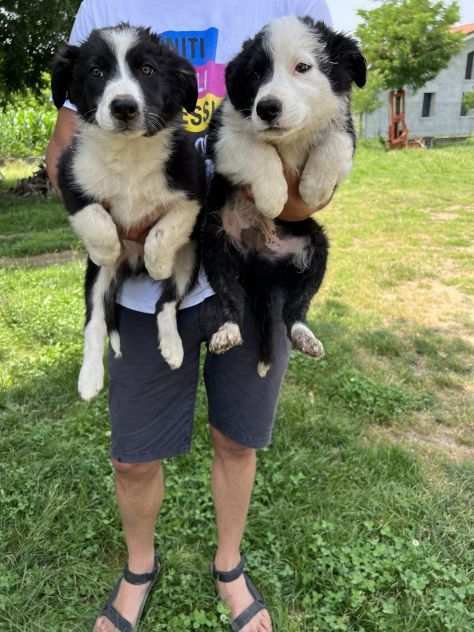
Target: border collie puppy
(289,102)
(131,169)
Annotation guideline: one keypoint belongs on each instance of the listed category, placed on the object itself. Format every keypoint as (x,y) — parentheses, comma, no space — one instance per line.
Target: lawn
(363,513)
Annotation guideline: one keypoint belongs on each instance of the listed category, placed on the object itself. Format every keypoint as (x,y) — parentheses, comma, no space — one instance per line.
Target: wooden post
(398,130)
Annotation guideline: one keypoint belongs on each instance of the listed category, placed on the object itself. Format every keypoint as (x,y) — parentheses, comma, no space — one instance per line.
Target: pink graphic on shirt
(211,79)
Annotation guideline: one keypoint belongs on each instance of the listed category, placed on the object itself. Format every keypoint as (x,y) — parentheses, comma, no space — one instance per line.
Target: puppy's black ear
(343,51)
(188,85)
(236,68)
(358,67)
(61,77)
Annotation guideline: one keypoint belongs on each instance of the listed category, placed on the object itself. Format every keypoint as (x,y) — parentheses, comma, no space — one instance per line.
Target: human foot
(125,605)
(243,600)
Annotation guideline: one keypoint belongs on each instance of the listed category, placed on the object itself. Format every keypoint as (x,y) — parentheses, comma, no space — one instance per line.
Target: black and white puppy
(131,168)
(289,101)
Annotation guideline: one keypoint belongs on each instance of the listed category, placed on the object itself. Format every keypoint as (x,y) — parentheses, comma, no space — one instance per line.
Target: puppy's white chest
(128,177)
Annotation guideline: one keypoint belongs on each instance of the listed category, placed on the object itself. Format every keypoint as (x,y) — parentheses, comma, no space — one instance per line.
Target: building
(438,109)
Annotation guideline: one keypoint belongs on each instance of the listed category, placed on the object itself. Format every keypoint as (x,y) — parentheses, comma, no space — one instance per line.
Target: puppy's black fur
(276,281)
(129,89)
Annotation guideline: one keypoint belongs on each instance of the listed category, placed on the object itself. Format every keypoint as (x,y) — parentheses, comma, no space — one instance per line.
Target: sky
(344,12)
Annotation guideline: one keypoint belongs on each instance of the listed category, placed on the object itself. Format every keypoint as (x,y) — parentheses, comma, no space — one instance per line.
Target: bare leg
(140,492)
(233,476)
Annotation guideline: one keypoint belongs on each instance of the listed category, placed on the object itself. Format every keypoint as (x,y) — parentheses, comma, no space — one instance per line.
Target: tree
(30,33)
(468,102)
(408,42)
(366,100)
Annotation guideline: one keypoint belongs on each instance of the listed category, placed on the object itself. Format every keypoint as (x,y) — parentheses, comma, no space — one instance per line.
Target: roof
(464,28)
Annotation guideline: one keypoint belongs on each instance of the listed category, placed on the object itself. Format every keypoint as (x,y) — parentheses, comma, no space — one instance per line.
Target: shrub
(26,124)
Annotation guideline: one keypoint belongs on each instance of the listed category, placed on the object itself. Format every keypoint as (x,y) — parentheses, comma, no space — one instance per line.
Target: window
(469,65)
(428,100)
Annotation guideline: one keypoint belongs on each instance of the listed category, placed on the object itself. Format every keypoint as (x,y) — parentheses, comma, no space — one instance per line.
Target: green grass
(31,226)
(363,513)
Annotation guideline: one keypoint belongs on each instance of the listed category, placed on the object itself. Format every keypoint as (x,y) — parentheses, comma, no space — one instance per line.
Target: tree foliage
(468,101)
(408,42)
(30,32)
(366,100)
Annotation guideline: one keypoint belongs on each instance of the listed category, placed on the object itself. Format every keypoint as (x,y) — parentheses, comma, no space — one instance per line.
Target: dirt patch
(429,440)
(432,304)
(444,217)
(41,261)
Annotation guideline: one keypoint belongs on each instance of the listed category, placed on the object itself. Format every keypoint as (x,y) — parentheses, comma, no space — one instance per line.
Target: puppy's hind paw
(91,381)
(305,341)
(263,369)
(225,338)
(171,348)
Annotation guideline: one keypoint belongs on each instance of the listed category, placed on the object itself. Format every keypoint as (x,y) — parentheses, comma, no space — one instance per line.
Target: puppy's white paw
(305,341)
(225,338)
(115,343)
(171,348)
(270,196)
(98,231)
(263,369)
(317,192)
(158,260)
(105,253)
(91,380)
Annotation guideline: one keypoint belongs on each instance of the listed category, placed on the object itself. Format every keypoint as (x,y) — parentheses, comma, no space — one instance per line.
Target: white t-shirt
(209,34)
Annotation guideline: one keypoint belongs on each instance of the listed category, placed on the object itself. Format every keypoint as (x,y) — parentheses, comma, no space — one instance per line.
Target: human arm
(60,140)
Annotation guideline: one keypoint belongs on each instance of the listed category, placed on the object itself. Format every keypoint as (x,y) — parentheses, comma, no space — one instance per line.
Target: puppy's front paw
(157,259)
(225,338)
(106,252)
(270,196)
(99,233)
(91,380)
(305,341)
(171,348)
(317,192)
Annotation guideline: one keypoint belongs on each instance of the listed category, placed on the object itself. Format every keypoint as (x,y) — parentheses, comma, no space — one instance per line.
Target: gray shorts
(152,407)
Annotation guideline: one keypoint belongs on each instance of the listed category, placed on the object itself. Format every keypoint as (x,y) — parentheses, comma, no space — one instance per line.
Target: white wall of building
(445,120)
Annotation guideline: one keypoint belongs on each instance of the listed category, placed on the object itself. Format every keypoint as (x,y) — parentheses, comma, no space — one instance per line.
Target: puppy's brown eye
(302,68)
(96,72)
(148,70)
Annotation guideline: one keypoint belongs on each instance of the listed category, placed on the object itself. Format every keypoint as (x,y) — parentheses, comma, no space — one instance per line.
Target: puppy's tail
(268,314)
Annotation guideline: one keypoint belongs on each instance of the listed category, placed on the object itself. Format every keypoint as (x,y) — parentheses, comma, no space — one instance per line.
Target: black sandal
(257,606)
(112,614)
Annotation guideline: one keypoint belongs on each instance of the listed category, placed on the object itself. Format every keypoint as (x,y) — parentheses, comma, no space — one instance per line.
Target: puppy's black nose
(124,108)
(269,109)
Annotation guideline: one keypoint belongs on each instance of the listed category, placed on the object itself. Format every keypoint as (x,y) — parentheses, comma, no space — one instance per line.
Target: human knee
(136,471)
(228,449)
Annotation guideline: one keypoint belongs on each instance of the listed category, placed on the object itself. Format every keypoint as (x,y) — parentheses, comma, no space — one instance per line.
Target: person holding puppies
(152,406)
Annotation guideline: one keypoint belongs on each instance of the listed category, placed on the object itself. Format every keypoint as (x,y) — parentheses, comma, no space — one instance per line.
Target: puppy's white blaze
(91,377)
(123,83)
(170,343)
(308,101)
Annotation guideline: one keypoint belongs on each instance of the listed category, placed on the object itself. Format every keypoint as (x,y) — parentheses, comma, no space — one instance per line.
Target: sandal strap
(116,618)
(229,576)
(246,616)
(143,578)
